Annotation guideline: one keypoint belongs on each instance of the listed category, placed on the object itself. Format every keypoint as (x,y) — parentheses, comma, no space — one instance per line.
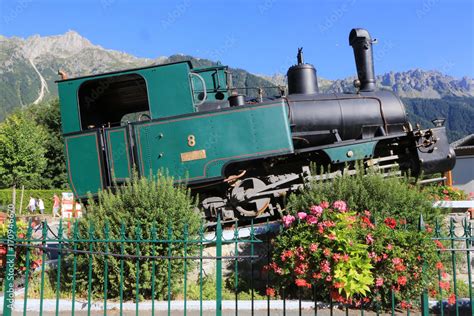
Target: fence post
(219,267)
(424,295)
(9,292)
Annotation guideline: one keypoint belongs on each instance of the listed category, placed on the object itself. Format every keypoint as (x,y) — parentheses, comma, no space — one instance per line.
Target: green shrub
(384,197)
(46,195)
(138,206)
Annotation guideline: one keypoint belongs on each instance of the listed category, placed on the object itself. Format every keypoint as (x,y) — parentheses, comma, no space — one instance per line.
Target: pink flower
(345,257)
(332,236)
(369,239)
(313,247)
(396,261)
(287,220)
(311,219)
(367,213)
(389,247)
(378,282)
(302,215)
(325,266)
(328,278)
(444,285)
(336,257)
(324,204)
(316,210)
(340,205)
(372,255)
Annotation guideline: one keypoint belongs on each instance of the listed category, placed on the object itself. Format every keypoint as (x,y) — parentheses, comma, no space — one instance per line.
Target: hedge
(45,195)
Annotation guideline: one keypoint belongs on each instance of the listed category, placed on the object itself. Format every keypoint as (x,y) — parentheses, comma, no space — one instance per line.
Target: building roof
(464,146)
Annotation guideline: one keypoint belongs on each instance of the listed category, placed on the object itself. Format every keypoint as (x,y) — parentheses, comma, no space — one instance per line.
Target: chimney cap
(358,34)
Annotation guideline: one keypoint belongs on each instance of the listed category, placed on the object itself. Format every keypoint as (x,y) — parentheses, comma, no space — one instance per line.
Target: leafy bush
(348,257)
(383,196)
(45,195)
(144,208)
(446,193)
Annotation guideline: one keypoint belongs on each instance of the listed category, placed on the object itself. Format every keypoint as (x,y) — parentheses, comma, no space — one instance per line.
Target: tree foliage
(22,151)
(48,116)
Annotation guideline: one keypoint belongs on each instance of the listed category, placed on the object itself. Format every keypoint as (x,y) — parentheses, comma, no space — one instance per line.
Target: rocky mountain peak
(63,46)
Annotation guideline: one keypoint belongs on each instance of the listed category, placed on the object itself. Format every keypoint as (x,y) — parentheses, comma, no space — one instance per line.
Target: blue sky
(262,36)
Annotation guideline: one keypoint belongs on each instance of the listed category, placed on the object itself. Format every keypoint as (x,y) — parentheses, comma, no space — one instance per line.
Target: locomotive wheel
(253,206)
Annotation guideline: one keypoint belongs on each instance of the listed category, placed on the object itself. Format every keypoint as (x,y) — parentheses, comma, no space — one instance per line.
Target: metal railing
(55,270)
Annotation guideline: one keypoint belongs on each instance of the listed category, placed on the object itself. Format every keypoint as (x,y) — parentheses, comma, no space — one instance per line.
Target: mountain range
(28,69)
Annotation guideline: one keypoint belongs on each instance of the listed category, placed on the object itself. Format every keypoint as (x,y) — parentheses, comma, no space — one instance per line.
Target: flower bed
(353,260)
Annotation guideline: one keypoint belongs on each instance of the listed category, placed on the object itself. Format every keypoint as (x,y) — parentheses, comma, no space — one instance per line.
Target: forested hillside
(458,112)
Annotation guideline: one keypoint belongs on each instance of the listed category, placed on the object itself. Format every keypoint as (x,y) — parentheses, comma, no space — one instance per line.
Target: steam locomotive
(241,157)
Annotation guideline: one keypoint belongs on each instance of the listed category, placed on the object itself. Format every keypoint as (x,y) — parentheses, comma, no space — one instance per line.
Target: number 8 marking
(191,141)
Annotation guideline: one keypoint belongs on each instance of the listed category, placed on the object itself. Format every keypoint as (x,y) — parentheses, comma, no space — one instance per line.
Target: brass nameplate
(193,155)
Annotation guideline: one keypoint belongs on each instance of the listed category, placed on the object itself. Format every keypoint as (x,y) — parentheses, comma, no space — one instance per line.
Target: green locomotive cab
(165,117)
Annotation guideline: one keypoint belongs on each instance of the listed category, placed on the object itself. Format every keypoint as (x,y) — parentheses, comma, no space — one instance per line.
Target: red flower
(402,280)
(452,299)
(20,235)
(439,244)
(439,265)
(301,268)
(400,267)
(405,305)
(270,292)
(336,296)
(367,221)
(338,285)
(390,222)
(302,283)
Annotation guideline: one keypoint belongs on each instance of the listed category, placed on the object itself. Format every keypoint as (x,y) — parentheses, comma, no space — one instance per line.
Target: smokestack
(361,42)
